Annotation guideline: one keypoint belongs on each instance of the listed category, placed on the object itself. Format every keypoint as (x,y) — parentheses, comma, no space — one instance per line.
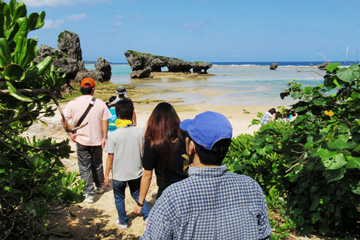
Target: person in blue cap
(212,203)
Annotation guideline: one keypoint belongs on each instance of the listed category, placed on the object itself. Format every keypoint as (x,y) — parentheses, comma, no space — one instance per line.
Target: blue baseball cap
(208,128)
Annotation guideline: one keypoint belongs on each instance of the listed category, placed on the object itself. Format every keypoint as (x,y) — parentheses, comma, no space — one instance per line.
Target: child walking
(124,147)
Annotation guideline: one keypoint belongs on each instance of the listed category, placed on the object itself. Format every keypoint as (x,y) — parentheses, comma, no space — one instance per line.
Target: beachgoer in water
(124,148)
(164,151)
(267,116)
(121,94)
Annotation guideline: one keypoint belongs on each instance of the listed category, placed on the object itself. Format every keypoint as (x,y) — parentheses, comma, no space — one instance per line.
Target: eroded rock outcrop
(68,58)
(142,64)
(273,66)
(323,65)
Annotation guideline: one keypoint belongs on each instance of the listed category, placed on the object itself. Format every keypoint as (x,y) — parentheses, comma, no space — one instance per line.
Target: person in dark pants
(90,139)
(124,158)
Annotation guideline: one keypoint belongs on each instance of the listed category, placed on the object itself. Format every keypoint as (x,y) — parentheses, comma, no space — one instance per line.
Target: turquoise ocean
(234,83)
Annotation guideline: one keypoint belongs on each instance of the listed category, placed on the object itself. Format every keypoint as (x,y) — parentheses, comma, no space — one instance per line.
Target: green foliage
(324,145)
(260,157)
(33,181)
(310,167)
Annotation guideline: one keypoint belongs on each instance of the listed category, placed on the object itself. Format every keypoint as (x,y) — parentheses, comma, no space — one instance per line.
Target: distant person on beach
(90,139)
(164,151)
(212,203)
(267,116)
(124,148)
(121,94)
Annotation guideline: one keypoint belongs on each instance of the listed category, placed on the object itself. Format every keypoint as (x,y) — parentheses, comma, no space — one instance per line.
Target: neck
(197,162)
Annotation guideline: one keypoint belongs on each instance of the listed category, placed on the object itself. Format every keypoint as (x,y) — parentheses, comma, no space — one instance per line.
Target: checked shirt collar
(208,172)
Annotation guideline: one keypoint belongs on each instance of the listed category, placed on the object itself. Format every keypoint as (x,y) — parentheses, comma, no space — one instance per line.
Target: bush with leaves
(324,147)
(33,181)
(260,157)
(313,162)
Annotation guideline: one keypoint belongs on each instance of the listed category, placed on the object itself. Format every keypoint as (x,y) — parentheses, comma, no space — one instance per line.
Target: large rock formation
(142,64)
(68,58)
(69,43)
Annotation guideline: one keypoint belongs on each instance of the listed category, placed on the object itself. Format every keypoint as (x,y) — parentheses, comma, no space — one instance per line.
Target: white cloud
(76,17)
(137,16)
(50,3)
(118,16)
(54,3)
(53,24)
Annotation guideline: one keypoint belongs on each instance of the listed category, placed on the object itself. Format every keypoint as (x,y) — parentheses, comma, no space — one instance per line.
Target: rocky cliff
(68,58)
(142,64)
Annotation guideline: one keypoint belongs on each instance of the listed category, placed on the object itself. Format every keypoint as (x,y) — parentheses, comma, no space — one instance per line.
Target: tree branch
(32,91)
(9,147)
(25,145)
(65,124)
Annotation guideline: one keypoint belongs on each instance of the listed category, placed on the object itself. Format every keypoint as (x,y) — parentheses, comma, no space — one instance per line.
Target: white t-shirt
(126,145)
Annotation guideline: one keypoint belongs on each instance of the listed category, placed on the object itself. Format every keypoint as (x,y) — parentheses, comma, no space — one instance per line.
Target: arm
(263,217)
(161,221)
(67,115)
(144,187)
(104,129)
(134,118)
(109,162)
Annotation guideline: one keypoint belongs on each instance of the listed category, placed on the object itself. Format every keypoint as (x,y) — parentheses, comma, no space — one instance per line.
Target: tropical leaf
(16,94)
(14,72)
(347,75)
(331,67)
(335,162)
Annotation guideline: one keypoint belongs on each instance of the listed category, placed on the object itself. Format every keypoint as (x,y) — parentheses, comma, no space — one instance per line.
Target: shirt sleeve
(149,156)
(110,144)
(67,111)
(106,112)
(160,225)
(263,217)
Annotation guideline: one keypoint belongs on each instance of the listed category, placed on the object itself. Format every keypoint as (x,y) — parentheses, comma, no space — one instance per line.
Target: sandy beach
(97,220)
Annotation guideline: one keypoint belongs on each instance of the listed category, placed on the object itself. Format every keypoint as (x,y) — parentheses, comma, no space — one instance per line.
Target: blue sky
(206,30)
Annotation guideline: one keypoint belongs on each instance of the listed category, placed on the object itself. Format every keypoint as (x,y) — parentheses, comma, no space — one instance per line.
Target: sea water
(237,83)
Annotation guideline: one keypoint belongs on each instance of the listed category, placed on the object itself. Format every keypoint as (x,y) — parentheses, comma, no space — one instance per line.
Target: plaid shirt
(211,204)
(265,118)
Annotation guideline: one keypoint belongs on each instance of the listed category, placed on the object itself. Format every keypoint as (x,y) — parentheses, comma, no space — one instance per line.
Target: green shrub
(324,148)
(311,166)
(33,181)
(260,157)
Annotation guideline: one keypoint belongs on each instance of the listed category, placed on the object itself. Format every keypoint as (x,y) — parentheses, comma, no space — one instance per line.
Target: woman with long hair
(164,151)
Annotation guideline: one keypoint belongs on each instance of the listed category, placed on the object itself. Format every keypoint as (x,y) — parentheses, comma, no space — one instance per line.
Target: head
(87,86)
(124,109)
(210,136)
(278,115)
(121,91)
(111,102)
(162,129)
(272,110)
(163,123)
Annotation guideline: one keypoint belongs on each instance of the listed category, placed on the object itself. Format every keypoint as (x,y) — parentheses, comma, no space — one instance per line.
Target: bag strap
(91,104)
